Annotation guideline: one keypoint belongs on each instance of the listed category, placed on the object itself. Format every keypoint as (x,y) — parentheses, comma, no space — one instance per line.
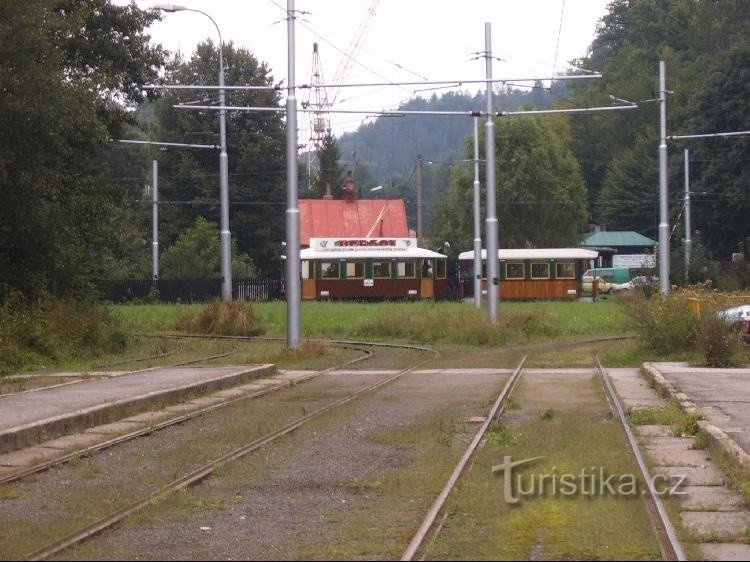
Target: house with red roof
(352,218)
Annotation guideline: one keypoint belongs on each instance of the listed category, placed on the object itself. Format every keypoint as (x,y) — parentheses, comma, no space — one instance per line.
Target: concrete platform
(30,418)
(721,396)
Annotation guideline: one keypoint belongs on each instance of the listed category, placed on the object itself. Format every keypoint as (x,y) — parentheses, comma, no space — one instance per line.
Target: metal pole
(226,237)
(155,220)
(293,265)
(688,227)
(477,219)
(663,194)
(493,281)
(420,202)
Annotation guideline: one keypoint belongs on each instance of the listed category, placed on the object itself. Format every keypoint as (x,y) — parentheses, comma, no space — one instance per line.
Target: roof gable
(616,239)
(335,218)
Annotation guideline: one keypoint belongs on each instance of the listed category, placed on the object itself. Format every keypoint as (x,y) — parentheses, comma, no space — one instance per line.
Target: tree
(195,255)
(541,196)
(629,199)
(256,149)
(69,68)
(719,169)
(330,174)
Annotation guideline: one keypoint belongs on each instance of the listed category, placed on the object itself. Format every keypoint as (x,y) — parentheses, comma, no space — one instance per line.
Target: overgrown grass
(35,334)
(684,323)
(570,430)
(671,414)
(447,322)
(218,318)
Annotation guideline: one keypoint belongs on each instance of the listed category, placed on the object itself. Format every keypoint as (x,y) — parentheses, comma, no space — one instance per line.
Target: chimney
(349,188)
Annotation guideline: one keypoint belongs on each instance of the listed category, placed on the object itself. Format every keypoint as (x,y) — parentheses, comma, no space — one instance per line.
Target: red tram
(372,269)
(538,273)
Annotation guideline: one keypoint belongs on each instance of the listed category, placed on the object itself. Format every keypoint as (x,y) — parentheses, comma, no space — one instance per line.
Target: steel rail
(88,451)
(665,531)
(437,506)
(204,471)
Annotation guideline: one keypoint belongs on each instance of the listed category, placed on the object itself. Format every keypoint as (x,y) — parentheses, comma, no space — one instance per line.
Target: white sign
(369,282)
(362,243)
(634,260)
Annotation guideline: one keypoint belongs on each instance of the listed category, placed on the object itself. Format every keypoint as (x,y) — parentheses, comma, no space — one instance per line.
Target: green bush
(218,318)
(52,330)
(669,326)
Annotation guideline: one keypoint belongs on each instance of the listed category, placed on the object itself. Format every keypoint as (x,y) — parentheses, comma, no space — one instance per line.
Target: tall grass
(36,333)
(227,319)
(674,325)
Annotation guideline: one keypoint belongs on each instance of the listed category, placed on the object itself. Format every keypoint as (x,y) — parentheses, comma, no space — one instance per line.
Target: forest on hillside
(76,209)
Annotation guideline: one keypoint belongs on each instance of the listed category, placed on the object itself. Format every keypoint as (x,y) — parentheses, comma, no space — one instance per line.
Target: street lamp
(226,239)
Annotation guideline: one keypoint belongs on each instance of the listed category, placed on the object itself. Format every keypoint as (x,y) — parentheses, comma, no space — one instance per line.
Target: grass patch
(671,414)
(738,477)
(219,318)
(548,527)
(37,333)
(685,325)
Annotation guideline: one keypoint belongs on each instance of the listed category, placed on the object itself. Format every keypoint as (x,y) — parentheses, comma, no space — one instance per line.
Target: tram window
(514,270)
(355,270)
(441,269)
(566,270)
(540,271)
(381,269)
(329,270)
(426,269)
(406,269)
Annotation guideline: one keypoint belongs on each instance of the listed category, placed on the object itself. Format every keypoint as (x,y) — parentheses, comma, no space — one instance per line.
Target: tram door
(427,286)
(308,281)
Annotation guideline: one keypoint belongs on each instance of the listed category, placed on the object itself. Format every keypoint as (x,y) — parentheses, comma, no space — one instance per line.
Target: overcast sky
(407,40)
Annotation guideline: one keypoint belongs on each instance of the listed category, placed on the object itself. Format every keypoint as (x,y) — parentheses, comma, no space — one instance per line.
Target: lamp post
(226,238)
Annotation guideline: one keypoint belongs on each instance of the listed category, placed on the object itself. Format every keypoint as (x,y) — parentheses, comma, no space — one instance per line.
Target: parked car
(739,315)
(601,286)
(736,314)
(636,282)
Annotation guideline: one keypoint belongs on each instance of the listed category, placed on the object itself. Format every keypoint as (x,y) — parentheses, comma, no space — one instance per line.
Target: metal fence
(191,290)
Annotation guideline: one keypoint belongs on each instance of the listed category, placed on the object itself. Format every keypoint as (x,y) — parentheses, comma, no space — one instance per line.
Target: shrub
(218,318)
(52,330)
(670,325)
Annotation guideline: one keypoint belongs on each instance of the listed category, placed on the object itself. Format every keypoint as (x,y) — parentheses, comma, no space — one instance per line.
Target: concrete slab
(709,498)
(671,443)
(694,475)
(725,551)
(205,401)
(652,430)
(680,458)
(363,372)
(115,428)
(73,442)
(29,418)
(633,390)
(148,418)
(712,525)
(28,457)
(722,395)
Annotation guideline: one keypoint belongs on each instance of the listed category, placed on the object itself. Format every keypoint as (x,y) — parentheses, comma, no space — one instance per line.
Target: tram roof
(536,254)
(372,253)
(327,218)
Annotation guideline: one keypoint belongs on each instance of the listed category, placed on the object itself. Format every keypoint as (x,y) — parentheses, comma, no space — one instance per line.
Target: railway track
(207,469)
(436,517)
